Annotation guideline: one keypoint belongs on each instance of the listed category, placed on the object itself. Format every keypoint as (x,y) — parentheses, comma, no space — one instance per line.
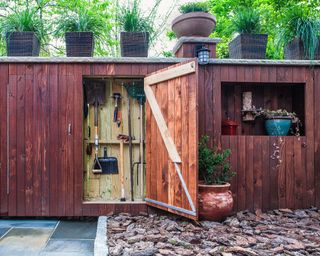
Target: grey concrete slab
(27,223)
(3,231)
(76,230)
(66,254)
(69,246)
(24,241)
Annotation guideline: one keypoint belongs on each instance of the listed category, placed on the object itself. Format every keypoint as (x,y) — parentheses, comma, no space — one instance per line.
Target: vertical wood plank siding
(45,162)
(263,182)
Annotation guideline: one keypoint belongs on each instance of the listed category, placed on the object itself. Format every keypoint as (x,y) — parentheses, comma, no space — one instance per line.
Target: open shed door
(172,139)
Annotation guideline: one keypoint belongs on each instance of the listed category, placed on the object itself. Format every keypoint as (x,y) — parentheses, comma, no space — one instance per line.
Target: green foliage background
(272,12)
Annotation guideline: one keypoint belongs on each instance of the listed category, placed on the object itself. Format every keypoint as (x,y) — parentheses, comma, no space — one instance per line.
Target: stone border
(194,39)
(100,242)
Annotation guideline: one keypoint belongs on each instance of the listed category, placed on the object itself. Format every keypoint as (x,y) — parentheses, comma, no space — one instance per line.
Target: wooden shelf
(112,142)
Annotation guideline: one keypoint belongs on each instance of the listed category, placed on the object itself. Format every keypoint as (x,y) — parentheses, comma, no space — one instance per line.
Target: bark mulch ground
(279,232)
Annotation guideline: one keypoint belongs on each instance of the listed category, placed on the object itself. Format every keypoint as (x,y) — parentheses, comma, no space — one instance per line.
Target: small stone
(117,250)
(165,252)
(181,251)
(134,239)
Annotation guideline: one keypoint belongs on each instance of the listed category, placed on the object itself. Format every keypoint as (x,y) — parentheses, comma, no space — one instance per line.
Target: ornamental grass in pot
(24,33)
(249,43)
(299,33)
(215,197)
(81,29)
(195,20)
(136,30)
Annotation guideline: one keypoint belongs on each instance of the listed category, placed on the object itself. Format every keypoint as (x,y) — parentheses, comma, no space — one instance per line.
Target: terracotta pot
(215,202)
(200,24)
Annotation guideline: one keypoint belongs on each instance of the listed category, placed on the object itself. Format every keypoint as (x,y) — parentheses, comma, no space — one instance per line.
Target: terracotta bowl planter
(248,46)
(199,24)
(79,44)
(215,202)
(22,44)
(295,51)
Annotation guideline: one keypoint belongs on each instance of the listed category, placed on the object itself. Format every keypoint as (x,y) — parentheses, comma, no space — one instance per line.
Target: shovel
(96,169)
(109,165)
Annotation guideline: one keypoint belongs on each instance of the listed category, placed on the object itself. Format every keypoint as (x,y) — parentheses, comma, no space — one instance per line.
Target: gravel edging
(100,242)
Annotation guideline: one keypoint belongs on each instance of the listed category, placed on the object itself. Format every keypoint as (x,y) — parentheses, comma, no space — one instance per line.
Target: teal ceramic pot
(278,126)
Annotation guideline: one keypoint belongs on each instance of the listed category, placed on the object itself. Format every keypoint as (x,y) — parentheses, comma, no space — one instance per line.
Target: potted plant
(215,197)
(24,32)
(80,30)
(299,33)
(194,21)
(135,37)
(278,122)
(249,43)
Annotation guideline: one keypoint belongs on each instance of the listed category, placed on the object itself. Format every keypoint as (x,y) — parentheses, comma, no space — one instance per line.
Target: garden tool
(130,150)
(117,97)
(95,92)
(123,198)
(136,91)
(109,165)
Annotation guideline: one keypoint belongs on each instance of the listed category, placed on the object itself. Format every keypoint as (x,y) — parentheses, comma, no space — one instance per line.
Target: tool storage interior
(270,96)
(114,130)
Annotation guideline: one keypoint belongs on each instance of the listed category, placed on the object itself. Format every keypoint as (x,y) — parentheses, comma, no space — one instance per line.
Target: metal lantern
(203,55)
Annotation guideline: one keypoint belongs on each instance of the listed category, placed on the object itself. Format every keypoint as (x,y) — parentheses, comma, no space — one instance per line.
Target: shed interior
(107,187)
(272,96)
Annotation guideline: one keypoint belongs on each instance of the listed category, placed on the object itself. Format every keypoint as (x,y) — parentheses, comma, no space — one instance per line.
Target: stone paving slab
(27,223)
(3,231)
(76,230)
(24,241)
(83,247)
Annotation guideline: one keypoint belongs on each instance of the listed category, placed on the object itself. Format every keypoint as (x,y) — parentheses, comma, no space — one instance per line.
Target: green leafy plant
(269,114)
(297,23)
(247,21)
(23,21)
(132,20)
(194,7)
(214,165)
(79,21)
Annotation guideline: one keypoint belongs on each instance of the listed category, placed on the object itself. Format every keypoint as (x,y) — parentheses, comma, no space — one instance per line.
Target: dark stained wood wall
(263,182)
(45,161)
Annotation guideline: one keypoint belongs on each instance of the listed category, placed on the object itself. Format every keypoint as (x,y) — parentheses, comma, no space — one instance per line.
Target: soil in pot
(248,46)
(278,126)
(134,44)
(198,24)
(79,44)
(295,51)
(215,202)
(22,44)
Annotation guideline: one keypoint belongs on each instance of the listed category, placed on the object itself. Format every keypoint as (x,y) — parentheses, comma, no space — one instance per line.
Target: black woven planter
(295,51)
(22,44)
(134,44)
(79,44)
(248,46)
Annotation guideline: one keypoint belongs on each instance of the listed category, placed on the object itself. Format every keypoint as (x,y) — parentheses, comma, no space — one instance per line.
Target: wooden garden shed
(43,133)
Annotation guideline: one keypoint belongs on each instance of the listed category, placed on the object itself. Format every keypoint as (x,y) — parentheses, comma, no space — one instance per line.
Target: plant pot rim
(225,185)
(194,15)
(71,32)
(279,117)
